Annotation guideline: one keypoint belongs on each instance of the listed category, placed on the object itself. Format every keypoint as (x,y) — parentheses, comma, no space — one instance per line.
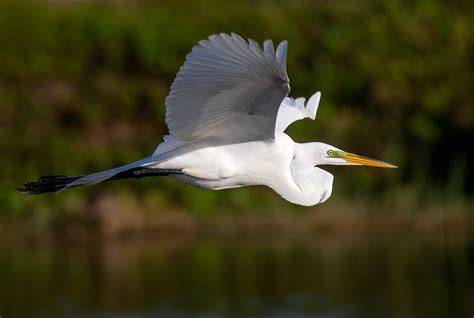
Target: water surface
(216,277)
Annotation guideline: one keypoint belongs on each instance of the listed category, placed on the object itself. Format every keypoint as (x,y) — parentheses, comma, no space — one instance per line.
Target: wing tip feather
(313,104)
(264,60)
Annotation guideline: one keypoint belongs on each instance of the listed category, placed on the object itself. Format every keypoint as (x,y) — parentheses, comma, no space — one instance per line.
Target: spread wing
(228,88)
(292,110)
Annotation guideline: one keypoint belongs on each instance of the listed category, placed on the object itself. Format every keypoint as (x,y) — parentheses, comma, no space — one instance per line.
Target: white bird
(226,112)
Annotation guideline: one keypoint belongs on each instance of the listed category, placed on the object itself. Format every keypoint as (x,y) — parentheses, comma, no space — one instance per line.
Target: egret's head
(324,154)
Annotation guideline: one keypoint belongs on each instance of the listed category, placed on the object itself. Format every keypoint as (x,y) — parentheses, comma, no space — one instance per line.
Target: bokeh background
(82,89)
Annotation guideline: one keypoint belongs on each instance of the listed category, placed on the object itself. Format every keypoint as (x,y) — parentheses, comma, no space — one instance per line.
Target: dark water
(397,277)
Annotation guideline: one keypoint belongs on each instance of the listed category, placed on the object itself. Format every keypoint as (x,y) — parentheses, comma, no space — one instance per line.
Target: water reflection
(390,277)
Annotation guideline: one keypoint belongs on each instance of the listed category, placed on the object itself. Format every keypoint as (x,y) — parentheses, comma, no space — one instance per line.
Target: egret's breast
(228,166)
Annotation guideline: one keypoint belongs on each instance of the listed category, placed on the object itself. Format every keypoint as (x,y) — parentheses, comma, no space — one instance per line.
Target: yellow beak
(364,161)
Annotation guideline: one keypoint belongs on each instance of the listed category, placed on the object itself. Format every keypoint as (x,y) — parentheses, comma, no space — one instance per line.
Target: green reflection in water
(213,278)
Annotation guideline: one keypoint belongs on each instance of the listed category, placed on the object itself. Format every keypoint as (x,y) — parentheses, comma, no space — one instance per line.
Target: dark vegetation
(82,89)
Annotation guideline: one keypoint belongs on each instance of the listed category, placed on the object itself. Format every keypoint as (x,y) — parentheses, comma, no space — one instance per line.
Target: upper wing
(228,88)
(292,110)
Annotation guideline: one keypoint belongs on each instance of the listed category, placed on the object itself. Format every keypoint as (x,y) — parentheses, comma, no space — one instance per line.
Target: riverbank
(110,219)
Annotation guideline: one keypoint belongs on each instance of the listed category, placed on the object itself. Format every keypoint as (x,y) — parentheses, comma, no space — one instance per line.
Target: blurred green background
(82,89)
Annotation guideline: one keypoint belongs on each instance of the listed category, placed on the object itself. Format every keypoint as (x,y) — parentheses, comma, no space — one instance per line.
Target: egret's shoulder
(283,139)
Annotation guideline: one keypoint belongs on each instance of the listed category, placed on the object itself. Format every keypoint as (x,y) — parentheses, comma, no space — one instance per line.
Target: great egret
(226,112)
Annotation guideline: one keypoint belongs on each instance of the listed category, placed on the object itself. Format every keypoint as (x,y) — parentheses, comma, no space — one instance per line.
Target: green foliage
(82,88)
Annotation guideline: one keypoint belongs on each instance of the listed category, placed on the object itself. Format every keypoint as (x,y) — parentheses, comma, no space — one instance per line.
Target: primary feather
(228,88)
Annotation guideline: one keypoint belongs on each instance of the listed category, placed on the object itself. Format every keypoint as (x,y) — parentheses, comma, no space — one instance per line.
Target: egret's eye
(330,153)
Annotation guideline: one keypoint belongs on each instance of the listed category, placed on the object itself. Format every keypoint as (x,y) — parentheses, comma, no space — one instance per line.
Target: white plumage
(227,111)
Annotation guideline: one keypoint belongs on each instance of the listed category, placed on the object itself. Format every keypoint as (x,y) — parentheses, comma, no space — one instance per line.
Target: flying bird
(227,112)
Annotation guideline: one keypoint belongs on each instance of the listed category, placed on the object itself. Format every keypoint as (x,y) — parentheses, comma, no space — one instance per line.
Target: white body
(270,163)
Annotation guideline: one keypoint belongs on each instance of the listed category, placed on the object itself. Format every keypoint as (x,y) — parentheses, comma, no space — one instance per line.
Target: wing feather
(268,47)
(292,110)
(228,88)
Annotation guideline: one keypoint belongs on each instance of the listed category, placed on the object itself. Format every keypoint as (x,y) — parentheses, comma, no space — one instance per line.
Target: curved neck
(314,185)
(303,183)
